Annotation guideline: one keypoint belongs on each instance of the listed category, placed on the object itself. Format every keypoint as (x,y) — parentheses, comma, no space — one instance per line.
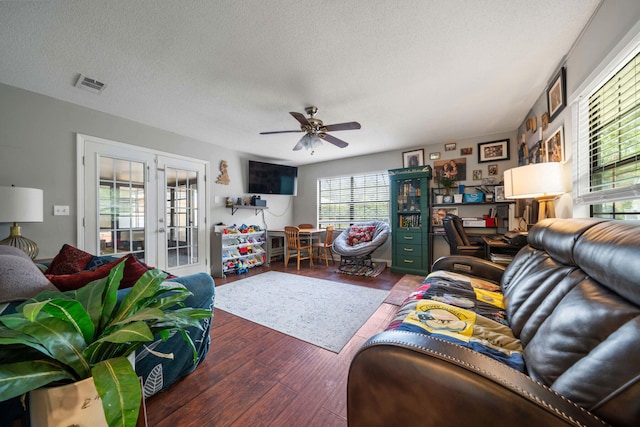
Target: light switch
(60,210)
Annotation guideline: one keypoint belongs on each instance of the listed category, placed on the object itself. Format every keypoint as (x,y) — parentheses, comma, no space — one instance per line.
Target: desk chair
(292,234)
(459,242)
(325,247)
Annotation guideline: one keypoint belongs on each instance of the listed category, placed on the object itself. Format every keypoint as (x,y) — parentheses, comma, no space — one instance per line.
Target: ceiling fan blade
(281,131)
(342,126)
(301,118)
(332,139)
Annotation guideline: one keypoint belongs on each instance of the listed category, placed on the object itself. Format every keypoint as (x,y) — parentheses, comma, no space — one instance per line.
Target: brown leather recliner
(572,298)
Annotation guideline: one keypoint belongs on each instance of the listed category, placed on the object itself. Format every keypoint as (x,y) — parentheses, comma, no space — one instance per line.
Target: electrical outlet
(60,210)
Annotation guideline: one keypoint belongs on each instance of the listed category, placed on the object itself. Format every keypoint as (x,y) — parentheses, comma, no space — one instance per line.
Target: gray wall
(38,149)
(611,23)
(306,203)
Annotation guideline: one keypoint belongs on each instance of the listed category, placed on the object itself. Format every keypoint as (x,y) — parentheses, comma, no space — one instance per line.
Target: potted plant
(447,183)
(65,337)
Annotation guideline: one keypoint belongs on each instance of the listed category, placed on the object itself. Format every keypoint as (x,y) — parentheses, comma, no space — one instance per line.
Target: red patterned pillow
(133,270)
(68,282)
(360,234)
(69,260)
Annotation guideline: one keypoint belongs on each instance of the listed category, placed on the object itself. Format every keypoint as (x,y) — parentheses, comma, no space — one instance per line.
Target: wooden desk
(495,244)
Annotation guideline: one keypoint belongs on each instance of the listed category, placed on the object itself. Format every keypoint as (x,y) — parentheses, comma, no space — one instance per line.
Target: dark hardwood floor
(255,376)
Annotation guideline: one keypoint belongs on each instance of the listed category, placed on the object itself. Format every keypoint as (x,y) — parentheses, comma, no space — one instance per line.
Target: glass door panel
(185,244)
(121,207)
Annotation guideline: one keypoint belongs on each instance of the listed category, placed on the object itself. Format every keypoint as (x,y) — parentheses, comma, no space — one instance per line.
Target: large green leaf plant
(61,337)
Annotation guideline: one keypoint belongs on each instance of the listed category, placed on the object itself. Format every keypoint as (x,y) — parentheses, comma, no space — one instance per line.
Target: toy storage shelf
(233,252)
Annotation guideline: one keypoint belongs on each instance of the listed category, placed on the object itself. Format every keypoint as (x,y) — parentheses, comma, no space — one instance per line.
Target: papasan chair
(356,244)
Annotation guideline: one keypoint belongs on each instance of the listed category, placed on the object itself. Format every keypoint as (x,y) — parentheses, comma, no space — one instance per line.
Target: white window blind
(345,200)
(608,158)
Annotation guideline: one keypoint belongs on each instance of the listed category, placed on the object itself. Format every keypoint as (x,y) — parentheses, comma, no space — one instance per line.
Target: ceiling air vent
(92,85)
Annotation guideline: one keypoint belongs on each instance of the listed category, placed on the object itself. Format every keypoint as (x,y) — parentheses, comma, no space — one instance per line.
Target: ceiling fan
(315,130)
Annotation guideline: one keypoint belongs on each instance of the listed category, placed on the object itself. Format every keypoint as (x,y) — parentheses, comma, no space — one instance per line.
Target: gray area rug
(320,312)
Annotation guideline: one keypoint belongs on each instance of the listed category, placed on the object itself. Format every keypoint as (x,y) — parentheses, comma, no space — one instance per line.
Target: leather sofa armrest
(470,265)
(405,378)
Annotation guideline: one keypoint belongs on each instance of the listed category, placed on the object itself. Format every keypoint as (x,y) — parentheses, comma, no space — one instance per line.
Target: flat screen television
(269,178)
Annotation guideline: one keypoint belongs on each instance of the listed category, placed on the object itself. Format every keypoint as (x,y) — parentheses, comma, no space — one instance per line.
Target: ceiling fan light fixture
(310,141)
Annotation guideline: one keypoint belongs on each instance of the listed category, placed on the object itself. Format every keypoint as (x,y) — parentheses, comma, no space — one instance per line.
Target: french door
(143,202)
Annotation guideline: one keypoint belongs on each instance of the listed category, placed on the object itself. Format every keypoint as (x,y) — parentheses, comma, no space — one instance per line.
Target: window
(608,160)
(343,201)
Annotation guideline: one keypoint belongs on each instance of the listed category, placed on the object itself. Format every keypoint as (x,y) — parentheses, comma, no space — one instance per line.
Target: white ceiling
(412,72)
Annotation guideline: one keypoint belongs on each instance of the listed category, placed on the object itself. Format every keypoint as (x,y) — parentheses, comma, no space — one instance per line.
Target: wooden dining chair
(304,239)
(325,246)
(294,245)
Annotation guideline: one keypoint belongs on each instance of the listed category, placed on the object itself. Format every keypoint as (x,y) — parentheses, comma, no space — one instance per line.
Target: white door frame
(87,238)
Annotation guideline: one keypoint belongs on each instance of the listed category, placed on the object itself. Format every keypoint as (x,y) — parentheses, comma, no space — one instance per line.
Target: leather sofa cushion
(572,299)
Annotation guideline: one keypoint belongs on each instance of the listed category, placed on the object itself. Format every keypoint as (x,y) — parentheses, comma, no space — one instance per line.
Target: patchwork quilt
(464,310)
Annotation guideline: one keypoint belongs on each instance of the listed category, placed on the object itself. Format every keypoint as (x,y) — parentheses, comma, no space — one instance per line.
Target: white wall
(38,149)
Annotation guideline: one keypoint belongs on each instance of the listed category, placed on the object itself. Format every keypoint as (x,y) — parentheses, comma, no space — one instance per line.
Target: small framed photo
(499,193)
(413,158)
(493,170)
(477,175)
(554,147)
(488,181)
(545,121)
(439,213)
(466,151)
(434,156)
(450,146)
(557,94)
(493,150)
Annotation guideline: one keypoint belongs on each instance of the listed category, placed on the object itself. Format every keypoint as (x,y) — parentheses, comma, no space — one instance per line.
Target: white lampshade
(19,204)
(535,181)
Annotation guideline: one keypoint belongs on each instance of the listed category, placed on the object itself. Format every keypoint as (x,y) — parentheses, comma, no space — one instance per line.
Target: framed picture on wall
(438,214)
(413,158)
(493,150)
(557,94)
(455,169)
(554,146)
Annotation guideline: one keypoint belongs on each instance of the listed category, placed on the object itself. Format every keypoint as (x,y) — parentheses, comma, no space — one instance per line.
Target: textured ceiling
(412,72)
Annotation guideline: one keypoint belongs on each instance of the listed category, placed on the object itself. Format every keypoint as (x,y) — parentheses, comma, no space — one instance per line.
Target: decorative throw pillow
(69,260)
(133,270)
(68,282)
(360,234)
(10,250)
(20,278)
(99,261)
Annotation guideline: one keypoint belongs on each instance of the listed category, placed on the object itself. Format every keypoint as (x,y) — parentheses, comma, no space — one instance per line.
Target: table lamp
(541,181)
(18,204)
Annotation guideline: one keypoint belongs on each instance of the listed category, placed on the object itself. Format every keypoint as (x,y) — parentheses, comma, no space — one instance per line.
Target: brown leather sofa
(572,298)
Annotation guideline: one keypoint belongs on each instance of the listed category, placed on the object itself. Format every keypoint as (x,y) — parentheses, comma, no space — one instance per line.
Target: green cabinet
(410,219)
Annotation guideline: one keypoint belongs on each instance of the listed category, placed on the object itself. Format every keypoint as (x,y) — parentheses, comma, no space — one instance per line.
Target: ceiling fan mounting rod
(311,111)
